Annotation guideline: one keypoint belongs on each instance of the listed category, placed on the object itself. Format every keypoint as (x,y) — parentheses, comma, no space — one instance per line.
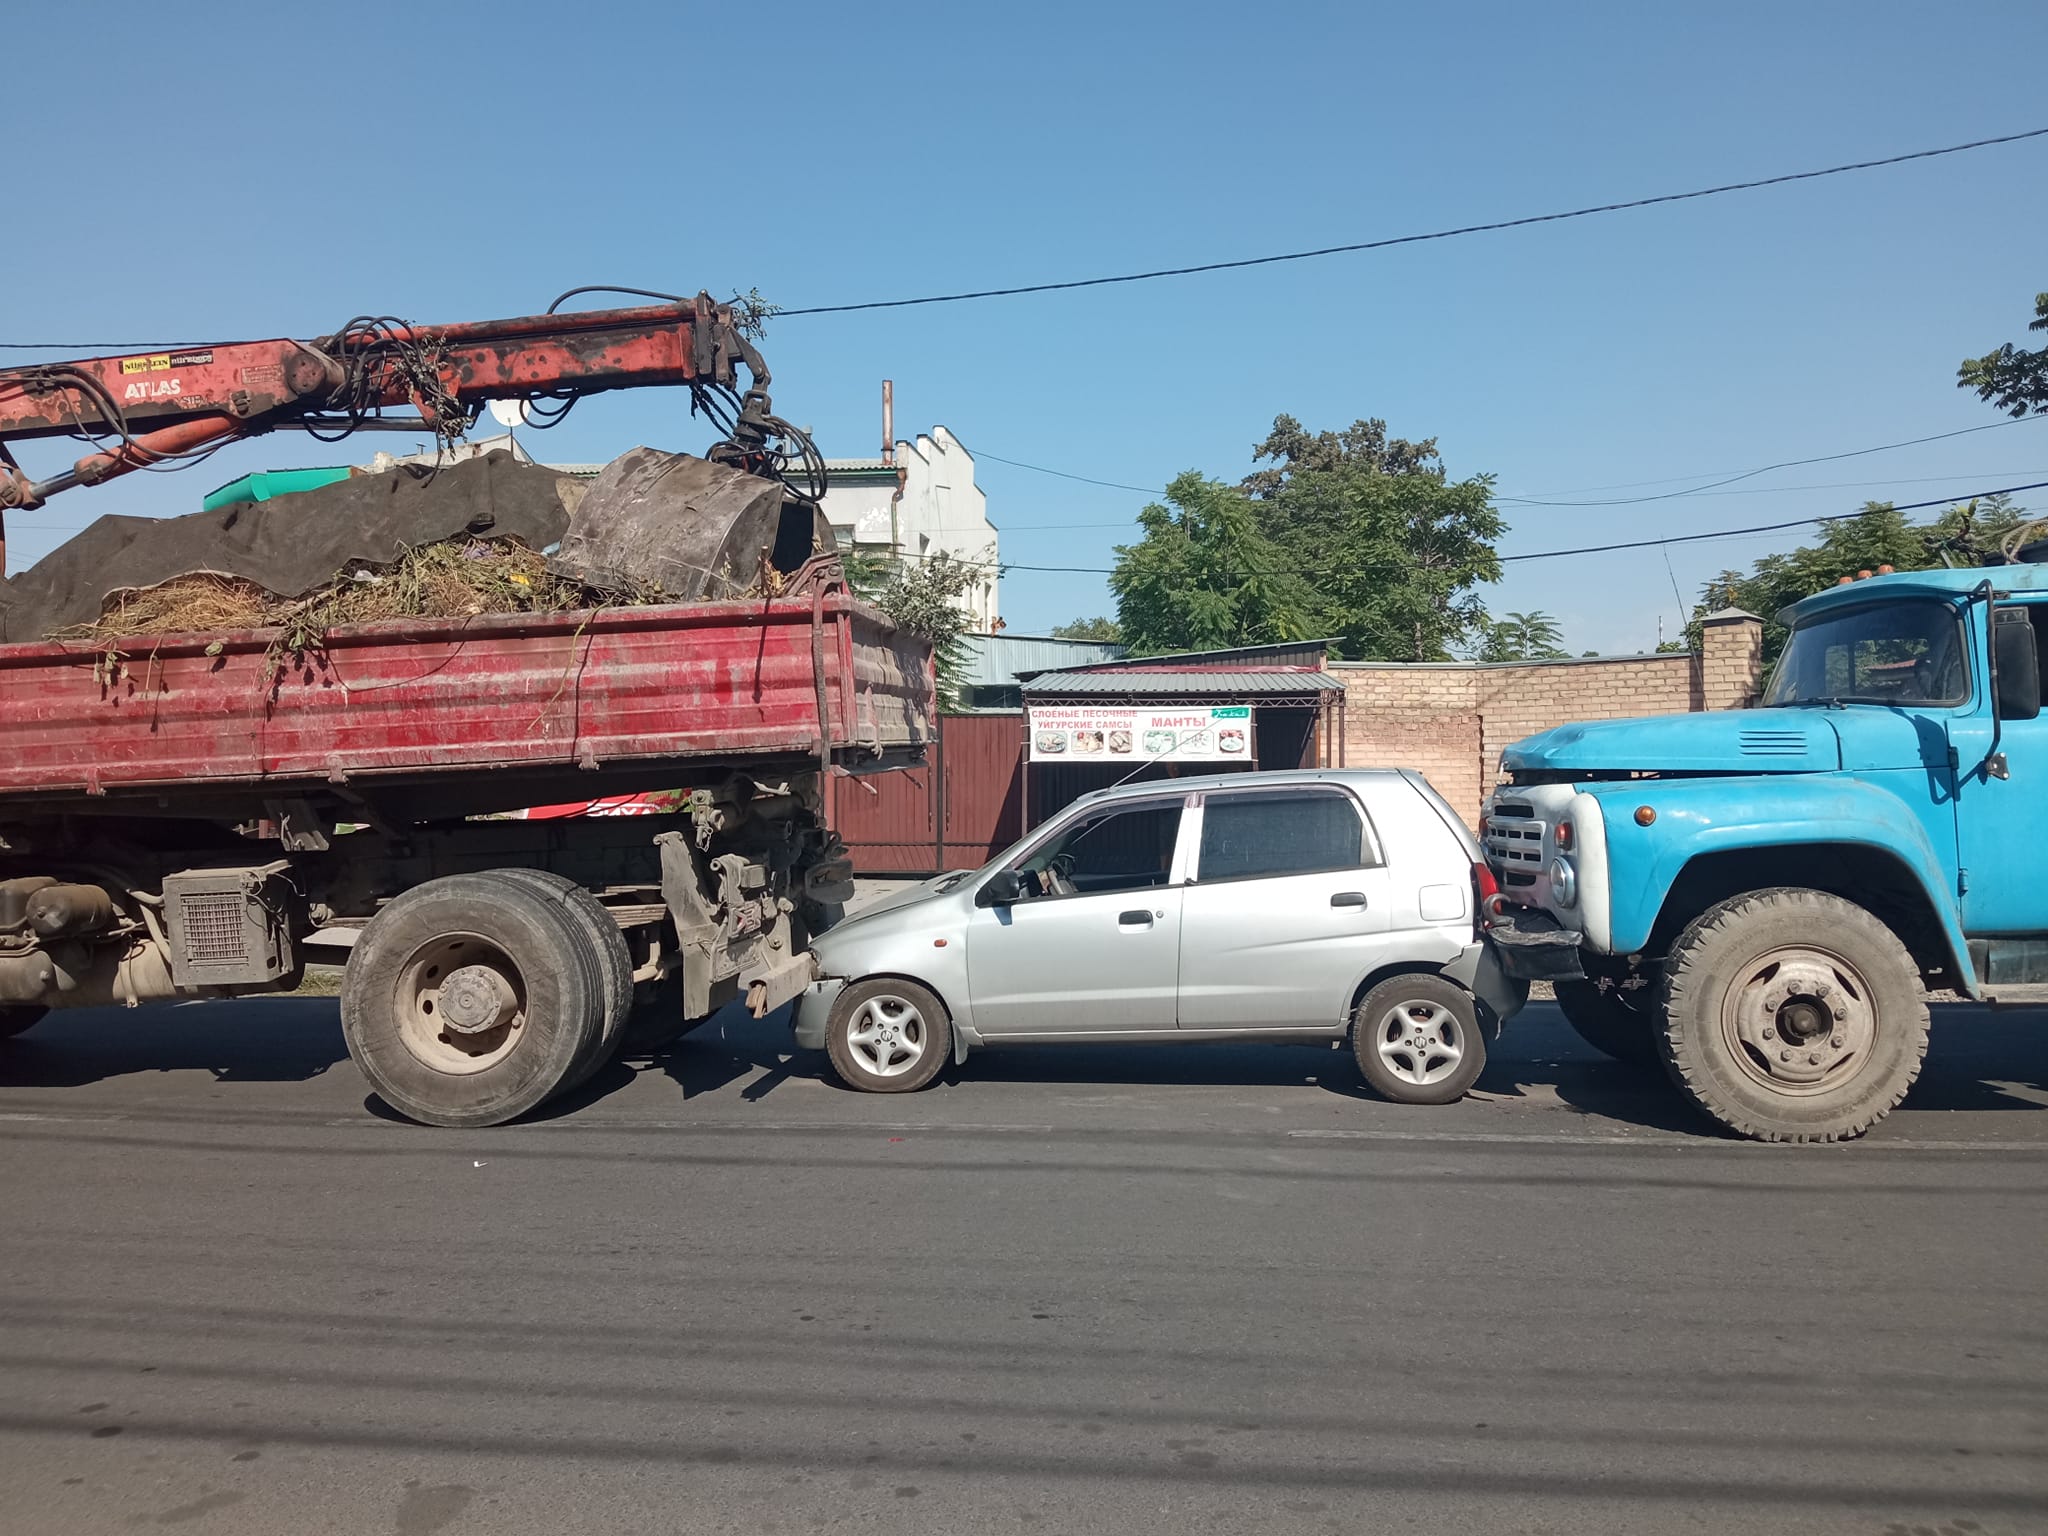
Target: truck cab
(1762,898)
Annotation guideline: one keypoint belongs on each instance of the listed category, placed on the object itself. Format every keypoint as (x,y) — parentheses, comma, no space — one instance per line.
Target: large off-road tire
(615,963)
(471,1000)
(1417,1039)
(888,1036)
(20,1016)
(1617,1022)
(1793,1015)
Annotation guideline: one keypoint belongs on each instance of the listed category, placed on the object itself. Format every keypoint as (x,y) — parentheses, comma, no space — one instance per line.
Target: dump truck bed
(487,709)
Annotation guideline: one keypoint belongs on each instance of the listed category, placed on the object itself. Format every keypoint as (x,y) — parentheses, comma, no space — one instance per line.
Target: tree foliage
(1104,629)
(1205,576)
(1531,636)
(923,597)
(2012,378)
(1878,536)
(1350,535)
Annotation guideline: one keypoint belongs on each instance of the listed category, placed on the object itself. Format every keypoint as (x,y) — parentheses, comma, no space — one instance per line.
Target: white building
(918,501)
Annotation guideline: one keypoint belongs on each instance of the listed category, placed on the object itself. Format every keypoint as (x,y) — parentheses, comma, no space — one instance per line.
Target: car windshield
(1892,653)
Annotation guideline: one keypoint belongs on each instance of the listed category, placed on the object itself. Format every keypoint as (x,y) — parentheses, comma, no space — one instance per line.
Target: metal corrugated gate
(973,780)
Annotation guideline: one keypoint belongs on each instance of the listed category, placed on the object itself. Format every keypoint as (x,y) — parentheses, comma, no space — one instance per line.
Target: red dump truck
(196,815)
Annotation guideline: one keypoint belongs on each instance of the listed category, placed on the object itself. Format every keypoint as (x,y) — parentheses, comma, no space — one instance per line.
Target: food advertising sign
(1082,733)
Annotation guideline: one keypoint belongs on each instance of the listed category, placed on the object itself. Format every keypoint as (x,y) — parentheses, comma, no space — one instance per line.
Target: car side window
(1116,850)
(1248,835)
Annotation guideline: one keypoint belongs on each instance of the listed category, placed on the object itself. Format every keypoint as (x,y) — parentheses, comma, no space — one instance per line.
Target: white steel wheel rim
(887,1035)
(424,1024)
(1799,1020)
(1420,1042)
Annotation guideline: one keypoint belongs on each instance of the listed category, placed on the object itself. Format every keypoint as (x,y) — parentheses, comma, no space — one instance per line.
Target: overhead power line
(1528,501)
(1548,554)
(1751,474)
(1437,234)
(1240,263)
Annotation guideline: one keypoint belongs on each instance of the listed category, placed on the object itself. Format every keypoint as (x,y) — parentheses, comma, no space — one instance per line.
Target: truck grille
(1514,844)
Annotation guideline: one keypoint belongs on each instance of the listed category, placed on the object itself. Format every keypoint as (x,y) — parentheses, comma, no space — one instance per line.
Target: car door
(1098,950)
(1287,906)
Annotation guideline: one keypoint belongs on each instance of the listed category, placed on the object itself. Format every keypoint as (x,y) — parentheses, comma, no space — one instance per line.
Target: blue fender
(1696,816)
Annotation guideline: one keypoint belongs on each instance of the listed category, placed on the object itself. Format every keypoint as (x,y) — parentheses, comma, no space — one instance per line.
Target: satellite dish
(509,413)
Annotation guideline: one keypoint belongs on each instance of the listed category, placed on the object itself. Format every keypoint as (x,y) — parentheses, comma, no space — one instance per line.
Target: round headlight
(1564,882)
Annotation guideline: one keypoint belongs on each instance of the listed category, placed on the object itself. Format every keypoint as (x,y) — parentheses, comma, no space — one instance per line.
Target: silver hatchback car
(1287,906)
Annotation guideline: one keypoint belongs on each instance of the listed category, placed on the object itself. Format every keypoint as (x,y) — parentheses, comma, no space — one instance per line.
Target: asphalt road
(1213,1288)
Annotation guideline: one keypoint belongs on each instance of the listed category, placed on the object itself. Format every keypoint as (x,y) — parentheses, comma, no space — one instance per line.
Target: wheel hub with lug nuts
(1802,1019)
(476,999)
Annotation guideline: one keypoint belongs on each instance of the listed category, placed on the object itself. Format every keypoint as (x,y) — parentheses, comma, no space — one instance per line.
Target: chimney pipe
(888,422)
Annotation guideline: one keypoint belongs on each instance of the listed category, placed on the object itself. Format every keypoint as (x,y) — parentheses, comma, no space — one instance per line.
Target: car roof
(1259,779)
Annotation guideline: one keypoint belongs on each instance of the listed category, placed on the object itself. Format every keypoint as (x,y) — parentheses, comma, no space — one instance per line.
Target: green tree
(1395,546)
(1967,534)
(1204,576)
(1089,629)
(1531,636)
(923,597)
(2012,378)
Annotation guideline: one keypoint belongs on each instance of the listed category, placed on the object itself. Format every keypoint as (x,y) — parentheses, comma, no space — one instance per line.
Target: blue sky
(210,173)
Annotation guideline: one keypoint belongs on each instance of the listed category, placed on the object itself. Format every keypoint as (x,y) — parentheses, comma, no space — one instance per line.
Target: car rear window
(1244,836)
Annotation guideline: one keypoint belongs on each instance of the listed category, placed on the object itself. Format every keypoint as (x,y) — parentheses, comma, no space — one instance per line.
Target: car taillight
(1564,836)
(1486,897)
(1483,883)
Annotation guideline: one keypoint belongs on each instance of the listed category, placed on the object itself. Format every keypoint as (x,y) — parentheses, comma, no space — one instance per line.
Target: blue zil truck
(1762,899)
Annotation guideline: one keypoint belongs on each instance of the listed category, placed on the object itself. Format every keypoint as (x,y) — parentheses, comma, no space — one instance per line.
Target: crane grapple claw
(683,528)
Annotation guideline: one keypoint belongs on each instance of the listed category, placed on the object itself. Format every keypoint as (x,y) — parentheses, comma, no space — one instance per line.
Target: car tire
(1793,1015)
(615,963)
(18,1017)
(887,1036)
(455,1065)
(1614,1021)
(1418,1040)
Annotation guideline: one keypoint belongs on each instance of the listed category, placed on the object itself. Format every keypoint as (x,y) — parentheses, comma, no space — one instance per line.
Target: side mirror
(2018,665)
(1001,889)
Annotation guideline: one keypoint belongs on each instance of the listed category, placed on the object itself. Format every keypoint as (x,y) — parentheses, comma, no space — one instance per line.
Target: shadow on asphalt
(266,1040)
(1979,1060)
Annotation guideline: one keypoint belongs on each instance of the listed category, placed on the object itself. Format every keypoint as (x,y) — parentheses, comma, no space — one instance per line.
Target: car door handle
(1138,917)
(1348,899)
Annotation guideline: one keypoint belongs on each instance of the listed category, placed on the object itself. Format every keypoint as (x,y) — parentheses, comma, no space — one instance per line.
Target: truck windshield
(1893,653)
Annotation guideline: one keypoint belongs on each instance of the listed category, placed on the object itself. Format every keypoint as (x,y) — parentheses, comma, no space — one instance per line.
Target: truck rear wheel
(607,943)
(471,999)
(1793,1015)
(1615,1021)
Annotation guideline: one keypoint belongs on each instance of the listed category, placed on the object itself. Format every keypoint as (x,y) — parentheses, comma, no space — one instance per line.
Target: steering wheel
(1056,879)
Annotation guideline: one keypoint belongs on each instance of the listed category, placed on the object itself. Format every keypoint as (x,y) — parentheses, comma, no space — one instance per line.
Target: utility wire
(1264,261)
(1528,501)
(1751,474)
(1439,234)
(1534,554)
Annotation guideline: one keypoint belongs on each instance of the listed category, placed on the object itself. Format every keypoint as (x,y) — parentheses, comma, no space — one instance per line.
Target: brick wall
(1451,720)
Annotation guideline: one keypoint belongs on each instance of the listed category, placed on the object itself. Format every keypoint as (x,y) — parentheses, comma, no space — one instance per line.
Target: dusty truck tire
(1608,1020)
(888,1036)
(18,1017)
(1793,1015)
(607,943)
(1418,1041)
(470,1000)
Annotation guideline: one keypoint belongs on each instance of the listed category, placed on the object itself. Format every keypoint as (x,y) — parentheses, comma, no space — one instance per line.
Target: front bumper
(1534,946)
(813,1009)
